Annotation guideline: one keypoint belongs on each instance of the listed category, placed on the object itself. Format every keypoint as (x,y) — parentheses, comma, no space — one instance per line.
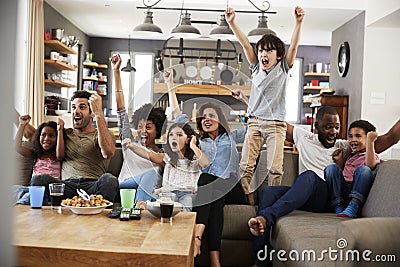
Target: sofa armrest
(379,235)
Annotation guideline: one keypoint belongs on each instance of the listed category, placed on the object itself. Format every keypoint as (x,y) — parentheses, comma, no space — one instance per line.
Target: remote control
(136,214)
(125,214)
(115,213)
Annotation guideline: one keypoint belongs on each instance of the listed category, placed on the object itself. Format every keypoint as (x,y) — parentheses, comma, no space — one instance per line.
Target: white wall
(381,77)
(8,30)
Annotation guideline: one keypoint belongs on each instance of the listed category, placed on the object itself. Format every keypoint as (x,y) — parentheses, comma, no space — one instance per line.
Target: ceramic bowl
(61,112)
(86,210)
(154,208)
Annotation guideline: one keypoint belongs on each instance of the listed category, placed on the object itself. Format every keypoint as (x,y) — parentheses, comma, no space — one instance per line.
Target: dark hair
(223,122)
(148,112)
(366,126)
(325,110)
(271,41)
(189,154)
(82,94)
(37,148)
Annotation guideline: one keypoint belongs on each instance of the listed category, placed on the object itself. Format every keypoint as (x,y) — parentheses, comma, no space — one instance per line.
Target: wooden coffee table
(45,238)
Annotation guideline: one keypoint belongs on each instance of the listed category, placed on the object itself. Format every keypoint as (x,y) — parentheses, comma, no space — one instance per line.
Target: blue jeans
(144,185)
(362,182)
(309,193)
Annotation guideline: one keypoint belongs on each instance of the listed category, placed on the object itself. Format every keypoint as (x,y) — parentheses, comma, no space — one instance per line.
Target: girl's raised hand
(60,124)
(193,142)
(24,119)
(116,61)
(168,76)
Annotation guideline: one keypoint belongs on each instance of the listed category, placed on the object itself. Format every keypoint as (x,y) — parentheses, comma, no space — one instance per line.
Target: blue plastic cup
(36,194)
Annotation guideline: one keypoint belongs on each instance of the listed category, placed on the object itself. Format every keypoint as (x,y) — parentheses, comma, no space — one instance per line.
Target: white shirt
(312,154)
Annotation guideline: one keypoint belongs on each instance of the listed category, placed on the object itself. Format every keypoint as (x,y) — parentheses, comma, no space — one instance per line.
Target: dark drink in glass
(166,210)
(56,199)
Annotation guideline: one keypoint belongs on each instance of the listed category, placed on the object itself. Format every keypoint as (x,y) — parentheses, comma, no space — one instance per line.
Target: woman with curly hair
(137,172)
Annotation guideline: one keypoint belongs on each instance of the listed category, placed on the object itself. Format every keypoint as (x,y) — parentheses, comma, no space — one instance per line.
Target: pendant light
(262,29)
(223,31)
(185,29)
(148,28)
(129,67)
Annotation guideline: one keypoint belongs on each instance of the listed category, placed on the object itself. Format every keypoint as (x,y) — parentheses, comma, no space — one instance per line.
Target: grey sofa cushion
(300,231)
(383,200)
(381,239)
(235,221)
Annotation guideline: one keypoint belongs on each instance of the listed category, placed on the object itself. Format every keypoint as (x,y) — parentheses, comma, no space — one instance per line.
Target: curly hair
(149,113)
(189,154)
(223,126)
(37,147)
(271,41)
(366,126)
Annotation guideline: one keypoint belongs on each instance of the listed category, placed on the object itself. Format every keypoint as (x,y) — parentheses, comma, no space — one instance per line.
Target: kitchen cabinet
(340,103)
(58,80)
(93,78)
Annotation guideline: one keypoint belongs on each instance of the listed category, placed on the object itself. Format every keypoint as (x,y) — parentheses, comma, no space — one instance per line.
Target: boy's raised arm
(294,44)
(242,38)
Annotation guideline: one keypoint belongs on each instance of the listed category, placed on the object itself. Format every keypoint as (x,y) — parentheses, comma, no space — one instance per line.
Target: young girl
(182,161)
(357,175)
(48,148)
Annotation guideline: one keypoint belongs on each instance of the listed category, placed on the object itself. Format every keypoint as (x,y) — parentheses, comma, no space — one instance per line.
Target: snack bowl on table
(86,210)
(154,208)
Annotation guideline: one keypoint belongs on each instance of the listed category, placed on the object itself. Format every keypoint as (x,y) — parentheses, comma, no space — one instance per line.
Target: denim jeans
(363,179)
(309,193)
(144,185)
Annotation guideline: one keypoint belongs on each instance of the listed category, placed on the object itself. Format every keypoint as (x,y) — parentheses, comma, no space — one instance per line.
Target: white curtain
(35,95)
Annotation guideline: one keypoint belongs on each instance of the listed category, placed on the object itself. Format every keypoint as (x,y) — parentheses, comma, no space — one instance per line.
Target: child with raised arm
(266,105)
(355,176)
(47,152)
(183,162)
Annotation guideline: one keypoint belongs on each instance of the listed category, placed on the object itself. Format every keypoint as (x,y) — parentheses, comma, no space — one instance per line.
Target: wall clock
(344,59)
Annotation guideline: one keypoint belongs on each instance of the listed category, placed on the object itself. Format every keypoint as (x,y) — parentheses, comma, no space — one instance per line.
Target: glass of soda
(166,206)
(56,195)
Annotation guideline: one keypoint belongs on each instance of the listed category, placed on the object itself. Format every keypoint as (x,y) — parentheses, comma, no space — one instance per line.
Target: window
(137,86)
(293,92)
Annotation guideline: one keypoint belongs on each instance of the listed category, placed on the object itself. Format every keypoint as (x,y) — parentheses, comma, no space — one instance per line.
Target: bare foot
(257,225)
(197,245)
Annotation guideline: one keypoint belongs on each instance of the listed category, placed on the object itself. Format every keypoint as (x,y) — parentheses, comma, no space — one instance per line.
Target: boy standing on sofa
(266,106)
(355,175)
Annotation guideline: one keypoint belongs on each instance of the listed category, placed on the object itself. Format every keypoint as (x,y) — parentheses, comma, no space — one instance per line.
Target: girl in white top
(182,160)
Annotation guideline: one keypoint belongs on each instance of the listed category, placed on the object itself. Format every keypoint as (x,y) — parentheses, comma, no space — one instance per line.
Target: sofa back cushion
(116,162)
(383,200)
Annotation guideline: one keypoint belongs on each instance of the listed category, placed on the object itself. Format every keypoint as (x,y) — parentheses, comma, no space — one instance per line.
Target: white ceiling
(117,18)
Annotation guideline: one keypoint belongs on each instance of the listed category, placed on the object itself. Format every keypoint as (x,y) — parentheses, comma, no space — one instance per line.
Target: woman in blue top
(219,184)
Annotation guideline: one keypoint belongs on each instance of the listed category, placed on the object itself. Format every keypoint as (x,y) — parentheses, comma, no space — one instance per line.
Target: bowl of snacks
(154,208)
(95,205)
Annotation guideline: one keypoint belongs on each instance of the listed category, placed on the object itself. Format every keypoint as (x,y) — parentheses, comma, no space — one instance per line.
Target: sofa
(304,232)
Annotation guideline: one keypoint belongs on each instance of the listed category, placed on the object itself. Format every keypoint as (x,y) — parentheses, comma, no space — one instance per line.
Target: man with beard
(87,151)
(310,191)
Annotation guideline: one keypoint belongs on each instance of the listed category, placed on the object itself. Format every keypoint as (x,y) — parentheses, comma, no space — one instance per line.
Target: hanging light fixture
(129,67)
(262,29)
(223,31)
(147,28)
(185,29)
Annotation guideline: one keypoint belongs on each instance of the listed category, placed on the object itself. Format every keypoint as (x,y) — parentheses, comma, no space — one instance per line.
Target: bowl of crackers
(95,205)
